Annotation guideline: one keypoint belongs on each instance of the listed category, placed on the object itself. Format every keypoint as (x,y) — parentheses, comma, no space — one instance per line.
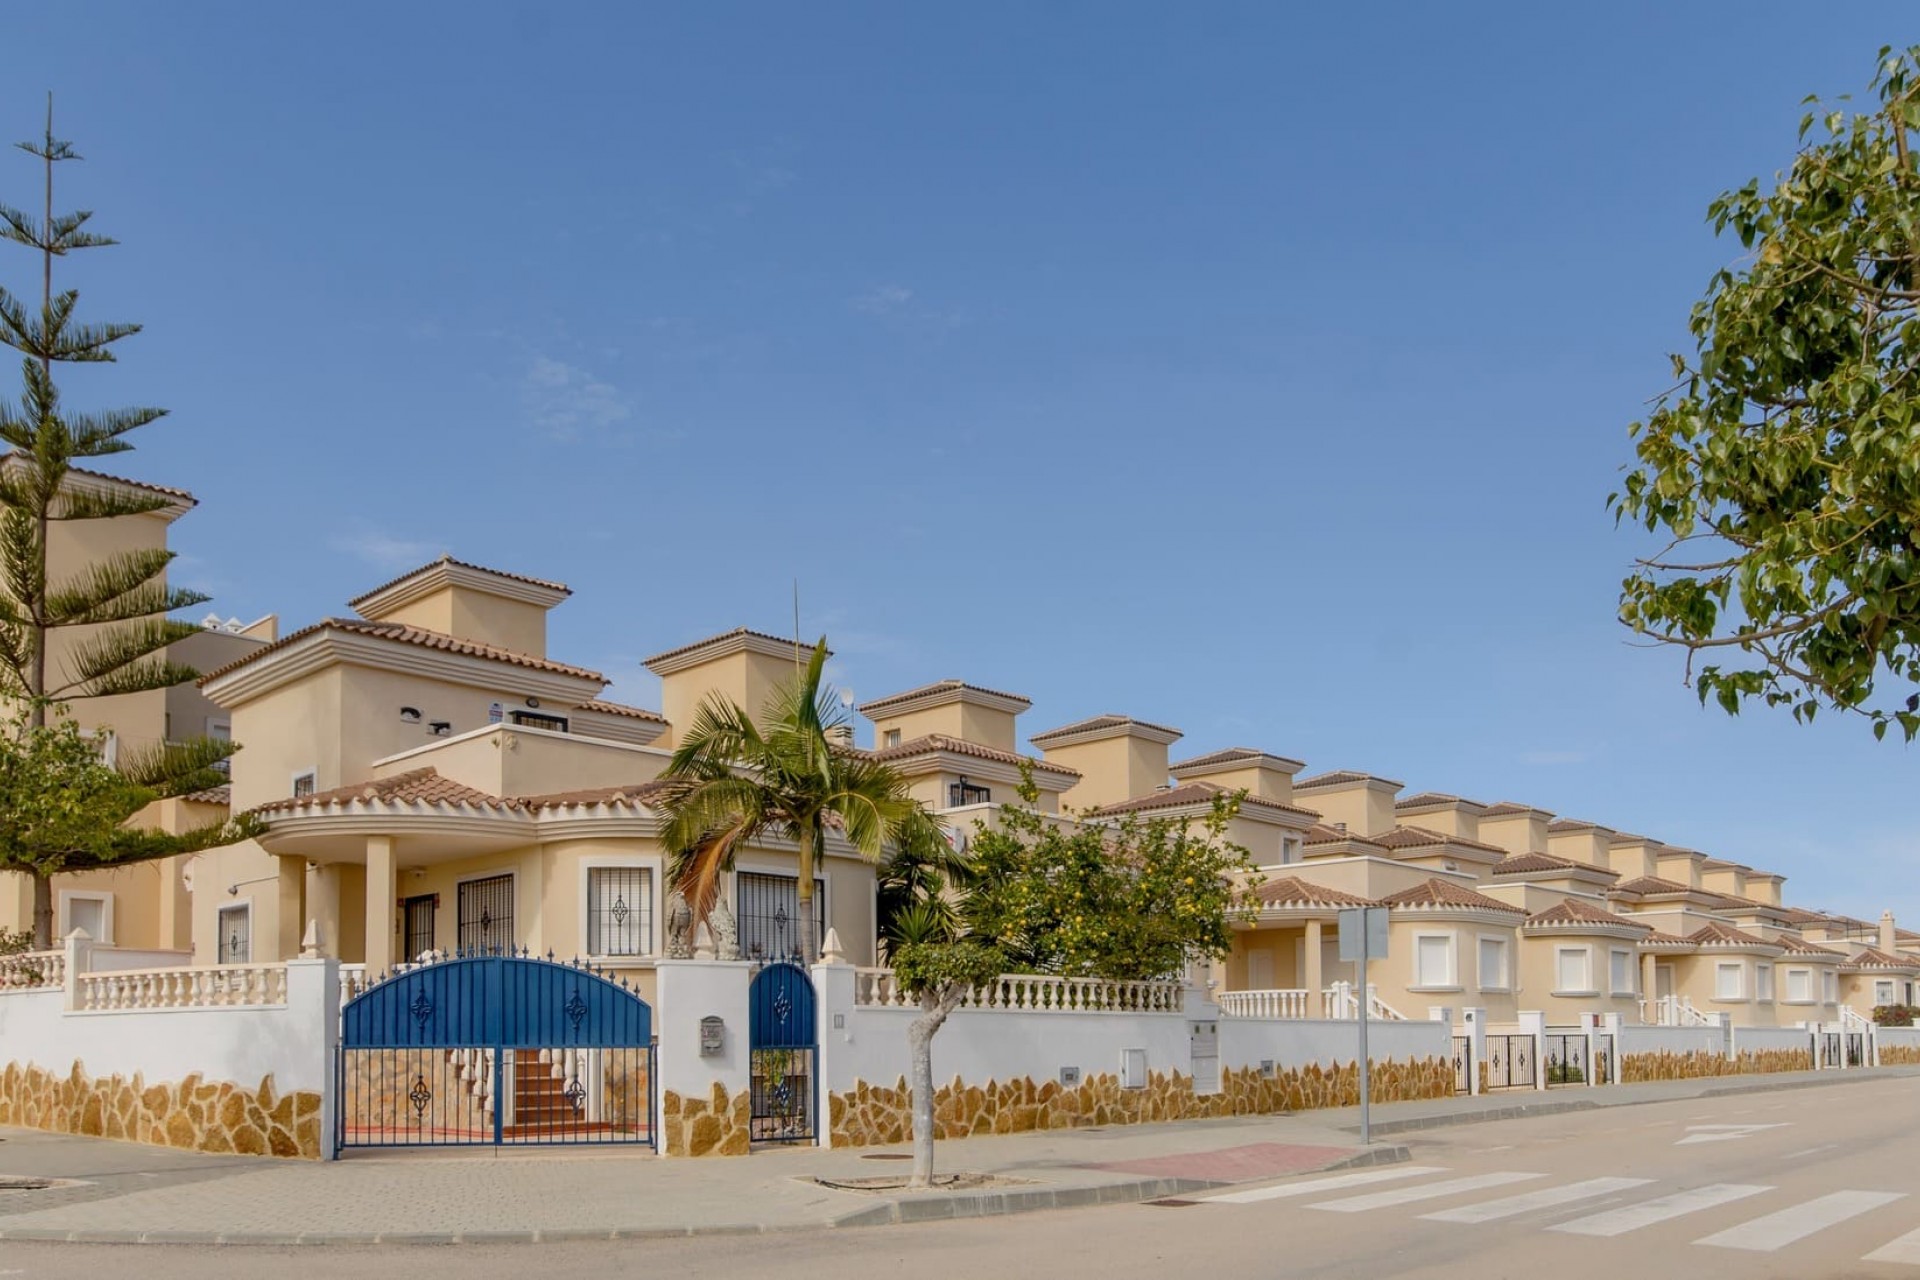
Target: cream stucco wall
(475,615)
(1365,807)
(967,721)
(1540,973)
(504,760)
(1122,767)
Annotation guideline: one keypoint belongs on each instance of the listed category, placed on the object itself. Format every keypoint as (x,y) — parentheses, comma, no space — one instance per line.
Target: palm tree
(739,780)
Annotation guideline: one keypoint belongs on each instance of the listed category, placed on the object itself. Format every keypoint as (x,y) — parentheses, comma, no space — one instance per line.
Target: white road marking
(1813,1151)
(1333,1183)
(1430,1191)
(1764,1235)
(1905,1249)
(1725,1132)
(1617,1222)
(1527,1202)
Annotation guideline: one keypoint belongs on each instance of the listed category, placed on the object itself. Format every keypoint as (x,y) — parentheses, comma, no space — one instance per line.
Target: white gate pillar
(686,992)
(1534,1023)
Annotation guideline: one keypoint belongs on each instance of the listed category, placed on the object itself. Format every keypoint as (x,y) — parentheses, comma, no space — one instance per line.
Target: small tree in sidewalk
(938,975)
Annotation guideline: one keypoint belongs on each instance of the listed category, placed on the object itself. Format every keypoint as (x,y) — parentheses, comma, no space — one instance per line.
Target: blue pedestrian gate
(783,1048)
(493,1048)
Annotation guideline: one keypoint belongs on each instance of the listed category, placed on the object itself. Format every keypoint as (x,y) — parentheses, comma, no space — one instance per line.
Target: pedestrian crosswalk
(1603,1207)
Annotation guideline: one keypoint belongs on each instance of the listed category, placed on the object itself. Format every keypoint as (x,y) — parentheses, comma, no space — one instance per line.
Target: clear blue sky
(1257,369)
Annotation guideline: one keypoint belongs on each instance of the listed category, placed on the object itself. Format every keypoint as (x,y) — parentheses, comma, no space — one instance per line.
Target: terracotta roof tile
(640,793)
(1518,863)
(1875,958)
(181,494)
(1321,833)
(1651,887)
(1407,836)
(1667,940)
(1091,723)
(1430,797)
(462,564)
(416,786)
(1570,912)
(212,795)
(1341,778)
(621,709)
(960,746)
(1801,947)
(1716,934)
(1444,893)
(1565,826)
(1799,915)
(1196,793)
(1229,755)
(724,635)
(938,686)
(1292,891)
(1507,809)
(400,633)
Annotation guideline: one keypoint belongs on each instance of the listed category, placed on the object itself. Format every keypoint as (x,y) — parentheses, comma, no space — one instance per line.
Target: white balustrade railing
(1034,993)
(1675,1011)
(1264,1004)
(353,980)
(1853,1020)
(33,971)
(227,987)
(1381,1011)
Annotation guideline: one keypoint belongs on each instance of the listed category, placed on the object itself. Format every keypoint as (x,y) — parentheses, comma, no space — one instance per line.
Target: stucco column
(1649,986)
(1314,980)
(290,900)
(380,904)
(323,906)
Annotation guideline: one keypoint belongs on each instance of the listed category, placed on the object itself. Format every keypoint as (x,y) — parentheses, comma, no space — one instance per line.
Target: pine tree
(111,615)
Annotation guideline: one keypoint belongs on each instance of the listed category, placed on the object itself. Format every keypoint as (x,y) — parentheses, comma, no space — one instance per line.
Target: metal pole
(1366,1133)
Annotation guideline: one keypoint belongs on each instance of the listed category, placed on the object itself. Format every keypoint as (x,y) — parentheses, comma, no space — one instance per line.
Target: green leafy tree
(920,884)
(739,780)
(62,809)
(110,614)
(1783,469)
(1127,900)
(1130,899)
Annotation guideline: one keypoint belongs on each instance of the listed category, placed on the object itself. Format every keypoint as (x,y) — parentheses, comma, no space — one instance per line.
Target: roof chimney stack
(1887,935)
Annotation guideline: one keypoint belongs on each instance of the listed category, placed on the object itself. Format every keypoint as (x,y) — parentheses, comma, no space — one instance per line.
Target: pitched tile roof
(462,564)
(400,633)
(1715,934)
(724,635)
(181,494)
(642,793)
(1506,809)
(1666,940)
(1519,863)
(938,686)
(1875,958)
(1571,912)
(1430,797)
(1196,793)
(1407,836)
(212,795)
(1801,947)
(1564,826)
(1091,723)
(1229,755)
(1651,887)
(1292,891)
(621,709)
(1340,778)
(1321,833)
(416,786)
(1800,915)
(960,746)
(1444,893)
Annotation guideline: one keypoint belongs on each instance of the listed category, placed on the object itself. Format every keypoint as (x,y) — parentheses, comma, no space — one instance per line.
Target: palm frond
(720,737)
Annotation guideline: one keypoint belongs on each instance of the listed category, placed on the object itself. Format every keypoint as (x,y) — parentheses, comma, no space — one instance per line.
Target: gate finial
(310,941)
(830,952)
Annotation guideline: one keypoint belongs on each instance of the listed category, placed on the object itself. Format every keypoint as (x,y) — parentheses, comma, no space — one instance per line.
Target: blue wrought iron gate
(782,1040)
(494,1048)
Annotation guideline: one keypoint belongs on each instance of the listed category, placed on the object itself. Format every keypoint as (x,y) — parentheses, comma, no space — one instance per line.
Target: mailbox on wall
(713,1036)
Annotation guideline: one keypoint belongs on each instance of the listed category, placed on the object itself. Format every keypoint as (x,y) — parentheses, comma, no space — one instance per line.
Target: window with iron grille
(964,792)
(236,935)
(769,914)
(619,911)
(303,784)
(486,913)
(418,928)
(534,720)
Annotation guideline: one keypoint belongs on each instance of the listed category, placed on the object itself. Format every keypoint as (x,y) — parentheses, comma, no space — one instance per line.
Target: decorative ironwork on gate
(1603,1064)
(1463,1064)
(495,1047)
(1566,1058)
(1510,1062)
(782,1046)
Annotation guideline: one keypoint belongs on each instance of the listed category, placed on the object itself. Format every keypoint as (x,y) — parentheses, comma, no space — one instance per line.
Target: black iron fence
(1510,1062)
(784,1094)
(1463,1064)
(1604,1069)
(1566,1058)
(485,1096)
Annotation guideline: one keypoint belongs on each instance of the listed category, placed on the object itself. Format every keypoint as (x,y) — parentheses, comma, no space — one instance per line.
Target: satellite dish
(846,698)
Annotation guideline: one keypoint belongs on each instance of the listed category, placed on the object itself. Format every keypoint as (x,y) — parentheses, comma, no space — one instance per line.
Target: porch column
(1649,987)
(323,906)
(1313,980)
(380,904)
(290,901)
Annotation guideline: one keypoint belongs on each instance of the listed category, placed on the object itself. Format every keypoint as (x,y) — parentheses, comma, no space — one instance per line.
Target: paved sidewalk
(126,1193)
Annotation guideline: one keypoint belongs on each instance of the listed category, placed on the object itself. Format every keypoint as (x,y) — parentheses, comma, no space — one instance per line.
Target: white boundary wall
(1635,1038)
(1770,1039)
(1246,1042)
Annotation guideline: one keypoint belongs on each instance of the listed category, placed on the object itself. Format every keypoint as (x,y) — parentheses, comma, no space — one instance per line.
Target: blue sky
(1256,369)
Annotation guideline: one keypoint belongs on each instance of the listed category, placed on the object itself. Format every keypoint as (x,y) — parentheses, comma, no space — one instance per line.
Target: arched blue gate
(495,1048)
(782,1039)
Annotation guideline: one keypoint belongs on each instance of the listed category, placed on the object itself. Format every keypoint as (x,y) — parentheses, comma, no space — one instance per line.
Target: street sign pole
(1363,937)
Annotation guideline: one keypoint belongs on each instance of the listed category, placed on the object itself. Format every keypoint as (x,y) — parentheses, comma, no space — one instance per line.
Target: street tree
(737,779)
(1782,471)
(101,628)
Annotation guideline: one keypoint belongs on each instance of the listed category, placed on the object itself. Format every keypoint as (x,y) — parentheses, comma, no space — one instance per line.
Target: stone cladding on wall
(871,1115)
(1636,1068)
(716,1125)
(193,1114)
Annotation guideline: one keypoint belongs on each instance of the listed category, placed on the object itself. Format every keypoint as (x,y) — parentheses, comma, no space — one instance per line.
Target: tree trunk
(42,911)
(934,1010)
(807,933)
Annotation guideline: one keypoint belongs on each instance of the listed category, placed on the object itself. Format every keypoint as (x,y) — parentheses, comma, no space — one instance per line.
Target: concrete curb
(922,1208)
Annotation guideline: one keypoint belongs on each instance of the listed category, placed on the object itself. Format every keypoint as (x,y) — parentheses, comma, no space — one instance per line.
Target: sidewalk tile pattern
(870,1115)
(196,1114)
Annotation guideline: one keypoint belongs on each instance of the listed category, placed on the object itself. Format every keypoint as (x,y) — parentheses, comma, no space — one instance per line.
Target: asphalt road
(1810,1184)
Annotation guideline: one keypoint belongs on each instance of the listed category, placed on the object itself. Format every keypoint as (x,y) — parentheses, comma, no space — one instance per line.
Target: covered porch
(1286,963)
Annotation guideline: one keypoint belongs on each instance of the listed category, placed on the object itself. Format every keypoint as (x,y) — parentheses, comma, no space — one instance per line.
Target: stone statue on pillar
(679,927)
(726,933)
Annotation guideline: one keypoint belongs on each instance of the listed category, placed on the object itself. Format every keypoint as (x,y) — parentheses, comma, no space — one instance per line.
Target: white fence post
(687,991)
(79,949)
(1476,1023)
(833,983)
(1533,1023)
(313,999)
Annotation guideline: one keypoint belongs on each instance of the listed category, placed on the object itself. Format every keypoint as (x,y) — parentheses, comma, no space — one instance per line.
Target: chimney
(841,735)
(1887,938)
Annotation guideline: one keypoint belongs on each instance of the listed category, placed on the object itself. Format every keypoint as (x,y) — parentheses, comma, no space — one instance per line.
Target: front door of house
(486,914)
(417,925)
(1663,980)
